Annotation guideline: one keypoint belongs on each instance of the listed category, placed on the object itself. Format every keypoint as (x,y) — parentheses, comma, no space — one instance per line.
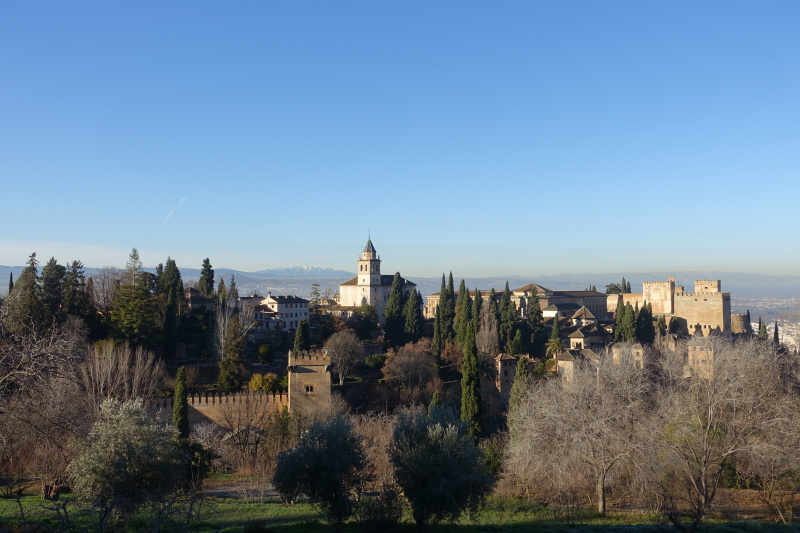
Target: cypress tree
(536,325)
(644,331)
(520,385)
(10,282)
(206,283)
(775,337)
(436,401)
(628,329)
(412,314)
(628,288)
(447,304)
(623,286)
(471,386)
(180,404)
(661,325)
(505,302)
(477,302)
(393,318)
(515,345)
(493,305)
(762,330)
(555,333)
(436,345)
(463,314)
(508,325)
(301,342)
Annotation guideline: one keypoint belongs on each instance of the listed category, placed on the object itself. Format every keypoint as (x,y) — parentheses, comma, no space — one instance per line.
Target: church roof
(369,249)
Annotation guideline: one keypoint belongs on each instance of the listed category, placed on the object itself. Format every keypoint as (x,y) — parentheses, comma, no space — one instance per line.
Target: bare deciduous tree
(344,351)
(106,282)
(411,365)
(223,316)
(120,372)
(573,437)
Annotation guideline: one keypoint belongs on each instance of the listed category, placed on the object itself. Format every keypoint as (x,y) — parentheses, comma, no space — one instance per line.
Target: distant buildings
(369,287)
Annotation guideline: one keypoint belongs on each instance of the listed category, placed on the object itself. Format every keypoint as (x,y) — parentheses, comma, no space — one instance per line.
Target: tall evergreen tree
(628,288)
(762,330)
(628,324)
(645,333)
(26,311)
(393,318)
(180,405)
(53,286)
(301,341)
(135,315)
(437,345)
(477,303)
(506,321)
(623,285)
(515,345)
(471,386)
(10,282)
(536,325)
(75,299)
(447,304)
(463,314)
(206,283)
(493,305)
(555,332)
(775,336)
(233,292)
(222,291)
(661,325)
(414,320)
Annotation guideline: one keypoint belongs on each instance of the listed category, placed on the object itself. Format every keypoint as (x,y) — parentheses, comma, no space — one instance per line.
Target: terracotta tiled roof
(351,281)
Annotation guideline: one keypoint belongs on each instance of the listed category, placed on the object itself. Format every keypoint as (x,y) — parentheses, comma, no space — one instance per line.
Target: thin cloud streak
(176,208)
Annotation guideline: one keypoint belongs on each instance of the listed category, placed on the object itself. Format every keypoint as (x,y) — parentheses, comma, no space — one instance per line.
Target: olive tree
(128,459)
(326,465)
(437,465)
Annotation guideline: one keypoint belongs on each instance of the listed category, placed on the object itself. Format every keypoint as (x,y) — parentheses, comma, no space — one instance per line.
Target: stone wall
(740,323)
(212,407)
(710,310)
(707,285)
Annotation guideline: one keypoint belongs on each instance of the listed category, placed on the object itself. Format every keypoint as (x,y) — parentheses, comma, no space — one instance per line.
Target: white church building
(369,287)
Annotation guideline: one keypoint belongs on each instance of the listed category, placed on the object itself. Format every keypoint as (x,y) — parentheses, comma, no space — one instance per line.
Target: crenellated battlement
(215,400)
(702,294)
(311,357)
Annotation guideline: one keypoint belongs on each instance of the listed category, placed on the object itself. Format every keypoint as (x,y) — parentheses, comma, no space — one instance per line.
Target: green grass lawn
(237,515)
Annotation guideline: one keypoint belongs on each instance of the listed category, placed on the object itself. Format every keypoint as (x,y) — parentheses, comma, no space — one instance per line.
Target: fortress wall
(633,298)
(213,407)
(613,301)
(712,310)
(660,295)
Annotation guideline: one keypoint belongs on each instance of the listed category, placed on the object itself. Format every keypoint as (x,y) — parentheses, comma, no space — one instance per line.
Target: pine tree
(222,291)
(206,283)
(762,330)
(520,386)
(471,386)
(135,315)
(413,318)
(233,292)
(53,286)
(393,318)
(301,341)
(463,314)
(26,312)
(180,405)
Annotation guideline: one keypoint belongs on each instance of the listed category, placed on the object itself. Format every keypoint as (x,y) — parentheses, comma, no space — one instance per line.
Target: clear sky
(486,138)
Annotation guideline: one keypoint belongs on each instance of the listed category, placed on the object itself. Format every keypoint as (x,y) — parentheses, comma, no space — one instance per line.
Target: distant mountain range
(298,280)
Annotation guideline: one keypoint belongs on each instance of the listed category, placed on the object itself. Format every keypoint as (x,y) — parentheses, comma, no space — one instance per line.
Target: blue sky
(514,138)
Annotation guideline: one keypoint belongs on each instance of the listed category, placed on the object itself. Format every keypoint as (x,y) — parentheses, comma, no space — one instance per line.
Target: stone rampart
(212,407)
(710,312)
(660,295)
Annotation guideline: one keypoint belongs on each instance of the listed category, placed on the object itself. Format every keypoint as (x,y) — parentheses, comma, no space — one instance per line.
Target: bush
(437,465)
(264,382)
(327,463)
(129,459)
(375,361)
(265,353)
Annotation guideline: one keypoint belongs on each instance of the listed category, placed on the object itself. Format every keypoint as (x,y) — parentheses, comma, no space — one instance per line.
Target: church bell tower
(369,266)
